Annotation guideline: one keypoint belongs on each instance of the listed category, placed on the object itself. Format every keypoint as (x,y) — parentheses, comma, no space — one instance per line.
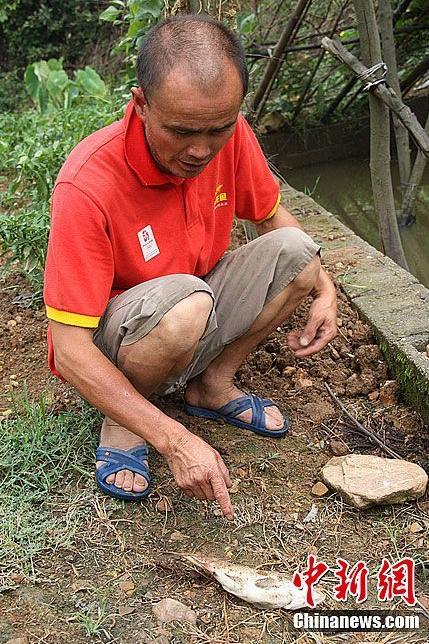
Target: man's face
(185,126)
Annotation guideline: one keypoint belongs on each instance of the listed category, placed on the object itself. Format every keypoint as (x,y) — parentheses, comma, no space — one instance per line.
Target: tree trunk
(389,55)
(407,215)
(276,61)
(380,139)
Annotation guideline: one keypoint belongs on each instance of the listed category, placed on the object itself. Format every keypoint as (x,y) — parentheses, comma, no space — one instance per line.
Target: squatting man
(141,294)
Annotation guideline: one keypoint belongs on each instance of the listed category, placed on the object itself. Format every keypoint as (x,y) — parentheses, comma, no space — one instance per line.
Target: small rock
(17,577)
(128,586)
(164,505)
(235,487)
(319,410)
(373,395)
(415,527)
(17,640)
(335,353)
(13,376)
(339,322)
(338,448)
(319,489)
(301,380)
(388,393)
(365,480)
(14,383)
(81,584)
(178,536)
(170,610)
(11,324)
(126,610)
(424,600)
(18,319)
(339,265)
(241,472)
(289,371)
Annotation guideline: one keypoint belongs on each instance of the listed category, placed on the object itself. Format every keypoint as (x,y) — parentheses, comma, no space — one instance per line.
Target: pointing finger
(222,496)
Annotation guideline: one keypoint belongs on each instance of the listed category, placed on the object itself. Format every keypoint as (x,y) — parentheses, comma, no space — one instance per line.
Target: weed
(265,462)
(40,455)
(94,617)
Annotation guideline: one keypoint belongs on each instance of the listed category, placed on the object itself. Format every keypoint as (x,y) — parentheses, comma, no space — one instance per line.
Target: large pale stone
(365,480)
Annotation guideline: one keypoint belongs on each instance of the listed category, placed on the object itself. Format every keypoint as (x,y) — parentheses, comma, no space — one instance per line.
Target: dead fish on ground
(263,589)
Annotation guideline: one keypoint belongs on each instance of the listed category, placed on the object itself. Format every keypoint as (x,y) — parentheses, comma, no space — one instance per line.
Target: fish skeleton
(264,590)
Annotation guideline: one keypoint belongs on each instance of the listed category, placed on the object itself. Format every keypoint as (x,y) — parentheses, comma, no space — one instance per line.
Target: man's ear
(140,103)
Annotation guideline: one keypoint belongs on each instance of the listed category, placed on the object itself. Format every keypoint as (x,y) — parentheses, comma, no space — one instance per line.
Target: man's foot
(202,394)
(113,435)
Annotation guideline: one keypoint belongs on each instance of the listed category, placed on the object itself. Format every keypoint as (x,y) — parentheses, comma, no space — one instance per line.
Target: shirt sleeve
(79,266)
(257,191)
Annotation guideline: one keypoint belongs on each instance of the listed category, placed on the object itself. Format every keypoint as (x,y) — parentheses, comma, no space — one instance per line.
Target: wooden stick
(373,437)
(386,94)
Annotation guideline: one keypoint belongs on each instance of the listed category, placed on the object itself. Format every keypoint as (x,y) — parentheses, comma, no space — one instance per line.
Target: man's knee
(295,249)
(184,324)
(307,278)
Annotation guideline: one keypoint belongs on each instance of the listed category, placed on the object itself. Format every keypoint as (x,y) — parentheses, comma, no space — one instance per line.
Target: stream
(344,188)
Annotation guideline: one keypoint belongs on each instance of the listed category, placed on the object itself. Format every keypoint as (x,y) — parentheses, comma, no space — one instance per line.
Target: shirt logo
(148,243)
(220,198)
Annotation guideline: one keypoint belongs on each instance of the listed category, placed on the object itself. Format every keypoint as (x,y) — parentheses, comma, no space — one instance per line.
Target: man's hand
(200,471)
(321,325)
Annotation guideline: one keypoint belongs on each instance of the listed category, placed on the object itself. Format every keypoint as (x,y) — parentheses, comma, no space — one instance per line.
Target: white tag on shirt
(148,243)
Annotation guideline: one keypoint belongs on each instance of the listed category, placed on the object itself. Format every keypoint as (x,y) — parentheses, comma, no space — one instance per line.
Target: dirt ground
(121,559)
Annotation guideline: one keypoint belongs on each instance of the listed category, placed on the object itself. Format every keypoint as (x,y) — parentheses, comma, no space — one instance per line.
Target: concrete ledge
(389,298)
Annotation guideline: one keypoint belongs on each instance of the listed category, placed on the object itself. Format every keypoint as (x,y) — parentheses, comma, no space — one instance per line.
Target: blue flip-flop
(231,410)
(117,460)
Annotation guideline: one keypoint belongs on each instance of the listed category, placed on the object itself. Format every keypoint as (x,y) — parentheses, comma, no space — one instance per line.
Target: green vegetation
(49,86)
(33,146)
(41,455)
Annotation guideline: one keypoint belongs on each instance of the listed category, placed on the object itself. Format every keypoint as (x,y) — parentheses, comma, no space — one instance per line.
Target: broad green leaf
(31,83)
(72,91)
(54,64)
(41,69)
(110,14)
(136,28)
(91,82)
(153,7)
(57,82)
(43,98)
(246,23)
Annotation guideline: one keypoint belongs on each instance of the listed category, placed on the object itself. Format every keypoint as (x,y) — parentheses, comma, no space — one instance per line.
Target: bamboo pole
(385,17)
(387,95)
(407,215)
(380,138)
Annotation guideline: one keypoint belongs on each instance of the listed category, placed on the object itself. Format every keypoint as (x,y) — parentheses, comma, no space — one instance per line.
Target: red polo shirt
(117,220)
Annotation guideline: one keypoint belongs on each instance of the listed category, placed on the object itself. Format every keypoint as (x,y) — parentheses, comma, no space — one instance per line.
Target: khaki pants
(241,283)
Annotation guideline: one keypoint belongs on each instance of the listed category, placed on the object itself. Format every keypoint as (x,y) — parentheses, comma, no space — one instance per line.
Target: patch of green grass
(41,457)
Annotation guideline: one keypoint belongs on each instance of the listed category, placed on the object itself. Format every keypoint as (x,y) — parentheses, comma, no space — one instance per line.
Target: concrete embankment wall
(392,300)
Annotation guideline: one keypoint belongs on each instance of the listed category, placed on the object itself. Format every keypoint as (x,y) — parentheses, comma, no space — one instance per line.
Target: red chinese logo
(309,577)
(396,580)
(353,582)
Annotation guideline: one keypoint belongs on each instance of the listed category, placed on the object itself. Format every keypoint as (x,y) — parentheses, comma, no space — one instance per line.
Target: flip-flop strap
(251,401)
(119,459)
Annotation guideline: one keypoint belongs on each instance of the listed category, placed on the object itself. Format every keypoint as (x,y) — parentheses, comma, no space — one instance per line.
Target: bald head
(200,47)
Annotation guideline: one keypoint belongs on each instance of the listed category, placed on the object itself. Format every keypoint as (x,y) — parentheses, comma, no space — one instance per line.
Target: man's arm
(195,465)
(321,326)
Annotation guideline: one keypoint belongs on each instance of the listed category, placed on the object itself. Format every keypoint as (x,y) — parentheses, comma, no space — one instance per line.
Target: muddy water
(344,188)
